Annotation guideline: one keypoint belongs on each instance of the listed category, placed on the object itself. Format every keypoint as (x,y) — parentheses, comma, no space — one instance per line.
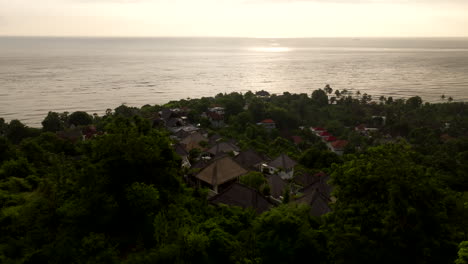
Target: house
(193,140)
(183,131)
(283,165)
(220,173)
(180,150)
(215,119)
(223,148)
(215,115)
(317,196)
(317,130)
(277,186)
(89,132)
(175,122)
(212,140)
(267,123)
(338,146)
(250,159)
(297,140)
(324,135)
(243,196)
(306,179)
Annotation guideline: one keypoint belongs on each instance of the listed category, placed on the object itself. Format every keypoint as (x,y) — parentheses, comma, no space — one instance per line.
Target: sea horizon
(69,73)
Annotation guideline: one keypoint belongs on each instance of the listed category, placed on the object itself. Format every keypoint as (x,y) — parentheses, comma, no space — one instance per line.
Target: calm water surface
(38,75)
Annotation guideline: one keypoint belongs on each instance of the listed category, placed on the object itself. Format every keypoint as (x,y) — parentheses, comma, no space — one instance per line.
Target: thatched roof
(283,161)
(277,185)
(240,195)
(306,179)
(221,170)
(191,141)
(223,147)
(317,195)
(249,159)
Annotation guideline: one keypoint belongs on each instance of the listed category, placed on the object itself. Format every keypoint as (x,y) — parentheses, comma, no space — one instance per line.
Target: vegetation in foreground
(119,197)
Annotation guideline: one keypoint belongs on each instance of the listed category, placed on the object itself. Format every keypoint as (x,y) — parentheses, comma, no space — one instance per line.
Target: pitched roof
(283,161)
(192,141)
(331,139)
(317,195)
(221,170)
(296,139)
(318,128)
(277,185)
(306,179)
(267,121)
(249,158)
(339,144)
(240,195)
(223,147)
(325,134)
(215,116)
(180,150)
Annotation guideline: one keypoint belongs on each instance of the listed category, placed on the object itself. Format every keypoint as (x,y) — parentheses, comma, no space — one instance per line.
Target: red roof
(215,116)
(331,139)
(339,144)
(318,129)
(268,121)
(325,134)
(361,127)
(296,139)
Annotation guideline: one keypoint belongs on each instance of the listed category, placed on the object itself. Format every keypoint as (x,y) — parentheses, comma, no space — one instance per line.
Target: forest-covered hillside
(113,189)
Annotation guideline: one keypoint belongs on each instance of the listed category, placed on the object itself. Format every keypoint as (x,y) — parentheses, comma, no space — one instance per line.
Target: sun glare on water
(271,49)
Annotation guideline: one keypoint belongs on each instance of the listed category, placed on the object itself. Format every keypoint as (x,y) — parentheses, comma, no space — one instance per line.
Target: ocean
(41,74)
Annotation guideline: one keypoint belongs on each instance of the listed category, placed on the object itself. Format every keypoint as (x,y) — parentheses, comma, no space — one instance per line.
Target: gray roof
(277,185)
(223,147)
(306,179)
(317,195)
(283,161)
(180,150)
(249,159)
(241,195)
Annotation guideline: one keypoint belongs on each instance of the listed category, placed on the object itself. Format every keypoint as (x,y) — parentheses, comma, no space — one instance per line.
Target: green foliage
(253,179)
(52,122)
(119,196)
(389,209)
(462,253)
(80,118)
(314,158)
(288,234)
(319,97)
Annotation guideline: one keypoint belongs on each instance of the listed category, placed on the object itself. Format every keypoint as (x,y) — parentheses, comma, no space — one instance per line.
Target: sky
(235,18)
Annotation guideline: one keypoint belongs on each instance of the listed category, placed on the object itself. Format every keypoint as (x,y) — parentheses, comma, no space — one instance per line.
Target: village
(220,165)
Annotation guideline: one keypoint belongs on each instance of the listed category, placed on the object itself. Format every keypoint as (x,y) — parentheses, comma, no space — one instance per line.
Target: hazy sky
(249,18)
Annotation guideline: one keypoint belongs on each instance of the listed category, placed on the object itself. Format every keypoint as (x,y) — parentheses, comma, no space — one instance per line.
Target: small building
(317,130)
(223,148)
(317,196)
(338,146)
(243,196)
(193,140)
(277,186)
(180,150)
(306,179)
(220,173)
(297,139)
(283,165)
(250,160)
(267,123)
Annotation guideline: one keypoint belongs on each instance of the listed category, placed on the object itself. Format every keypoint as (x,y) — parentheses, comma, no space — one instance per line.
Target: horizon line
(227,37)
